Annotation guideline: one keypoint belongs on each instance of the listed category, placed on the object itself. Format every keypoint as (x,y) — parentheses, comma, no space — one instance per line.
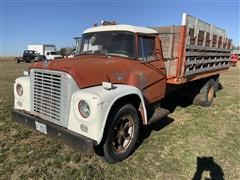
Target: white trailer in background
(49,50)
(42,48)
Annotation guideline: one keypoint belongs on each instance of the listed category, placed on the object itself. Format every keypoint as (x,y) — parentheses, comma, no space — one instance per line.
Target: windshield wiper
(86,52)
(100,52)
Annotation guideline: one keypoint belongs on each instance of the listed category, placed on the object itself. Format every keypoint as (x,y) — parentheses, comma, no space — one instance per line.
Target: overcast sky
(26,22)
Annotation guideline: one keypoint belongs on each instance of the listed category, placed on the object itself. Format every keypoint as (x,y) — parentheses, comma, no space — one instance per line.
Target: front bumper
(70,138)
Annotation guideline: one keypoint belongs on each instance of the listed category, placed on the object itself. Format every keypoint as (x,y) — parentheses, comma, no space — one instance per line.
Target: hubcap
(123,134)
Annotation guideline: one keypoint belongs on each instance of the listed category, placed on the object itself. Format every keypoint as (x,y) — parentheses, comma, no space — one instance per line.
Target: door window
(146,48)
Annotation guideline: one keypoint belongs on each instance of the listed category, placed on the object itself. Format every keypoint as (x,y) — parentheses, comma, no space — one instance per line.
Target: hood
(92,70)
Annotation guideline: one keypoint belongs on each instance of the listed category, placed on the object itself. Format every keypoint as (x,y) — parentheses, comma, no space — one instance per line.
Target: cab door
(151,67)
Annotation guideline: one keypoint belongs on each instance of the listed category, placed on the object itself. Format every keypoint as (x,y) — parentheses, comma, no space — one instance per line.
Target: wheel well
(133,99)
(129,99)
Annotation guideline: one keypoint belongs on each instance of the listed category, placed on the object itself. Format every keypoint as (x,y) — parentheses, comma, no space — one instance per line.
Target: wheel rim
(123,134)
(211,94)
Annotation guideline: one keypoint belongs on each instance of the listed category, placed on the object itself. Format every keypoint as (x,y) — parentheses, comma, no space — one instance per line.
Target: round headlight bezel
(84,109)
(19,89)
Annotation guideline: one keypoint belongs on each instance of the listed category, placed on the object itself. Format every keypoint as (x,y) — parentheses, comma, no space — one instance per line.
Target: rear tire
(206,94)
(122,134)
(216,84)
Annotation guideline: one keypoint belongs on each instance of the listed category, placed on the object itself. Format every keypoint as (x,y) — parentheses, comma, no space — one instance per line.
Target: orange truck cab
(97,101)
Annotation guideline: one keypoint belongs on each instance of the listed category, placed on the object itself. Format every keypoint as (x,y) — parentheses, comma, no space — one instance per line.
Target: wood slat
(205,48)
(205,61)
(190,72)
(217,54)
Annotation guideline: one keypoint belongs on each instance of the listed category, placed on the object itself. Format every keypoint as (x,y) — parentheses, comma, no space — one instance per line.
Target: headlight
(19,89)
(84,109)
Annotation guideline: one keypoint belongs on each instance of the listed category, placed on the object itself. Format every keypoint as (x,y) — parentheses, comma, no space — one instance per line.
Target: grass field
(193,142)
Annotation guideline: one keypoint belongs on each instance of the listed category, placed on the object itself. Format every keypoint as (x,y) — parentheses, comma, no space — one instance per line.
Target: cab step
(159,113)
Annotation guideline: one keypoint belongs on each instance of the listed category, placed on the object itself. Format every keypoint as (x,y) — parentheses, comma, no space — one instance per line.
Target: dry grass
(8,58)
(169,151)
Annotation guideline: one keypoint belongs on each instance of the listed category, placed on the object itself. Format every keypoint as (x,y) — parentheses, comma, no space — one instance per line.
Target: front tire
(122,134)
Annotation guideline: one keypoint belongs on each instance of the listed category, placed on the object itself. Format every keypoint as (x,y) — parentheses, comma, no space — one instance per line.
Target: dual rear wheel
(205,96)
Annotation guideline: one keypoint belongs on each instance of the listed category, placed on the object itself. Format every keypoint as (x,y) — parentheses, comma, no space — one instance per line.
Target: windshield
(109,43)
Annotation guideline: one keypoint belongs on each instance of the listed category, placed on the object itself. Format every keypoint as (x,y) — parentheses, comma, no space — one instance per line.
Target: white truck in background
(49,50)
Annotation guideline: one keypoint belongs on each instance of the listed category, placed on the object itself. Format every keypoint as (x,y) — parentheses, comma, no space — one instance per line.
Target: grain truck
(97,101)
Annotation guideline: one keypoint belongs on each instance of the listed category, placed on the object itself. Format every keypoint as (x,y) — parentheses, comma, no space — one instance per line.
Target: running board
(158,114)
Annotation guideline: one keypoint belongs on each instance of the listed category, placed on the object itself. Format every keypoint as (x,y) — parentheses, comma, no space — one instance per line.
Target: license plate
(41,127)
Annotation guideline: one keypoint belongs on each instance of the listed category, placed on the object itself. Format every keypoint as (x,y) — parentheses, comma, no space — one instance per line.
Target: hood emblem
(120,76)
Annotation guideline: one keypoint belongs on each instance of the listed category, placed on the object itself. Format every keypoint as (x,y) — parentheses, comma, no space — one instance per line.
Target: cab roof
(121,27)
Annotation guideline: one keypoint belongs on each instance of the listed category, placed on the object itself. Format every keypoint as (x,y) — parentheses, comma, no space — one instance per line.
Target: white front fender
(100,101)
(22,102)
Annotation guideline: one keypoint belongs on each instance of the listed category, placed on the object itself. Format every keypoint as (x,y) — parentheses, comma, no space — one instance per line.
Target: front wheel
(122,134)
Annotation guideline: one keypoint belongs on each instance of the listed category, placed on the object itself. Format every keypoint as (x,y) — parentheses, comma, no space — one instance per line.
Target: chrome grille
(51,93)
(47,95)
